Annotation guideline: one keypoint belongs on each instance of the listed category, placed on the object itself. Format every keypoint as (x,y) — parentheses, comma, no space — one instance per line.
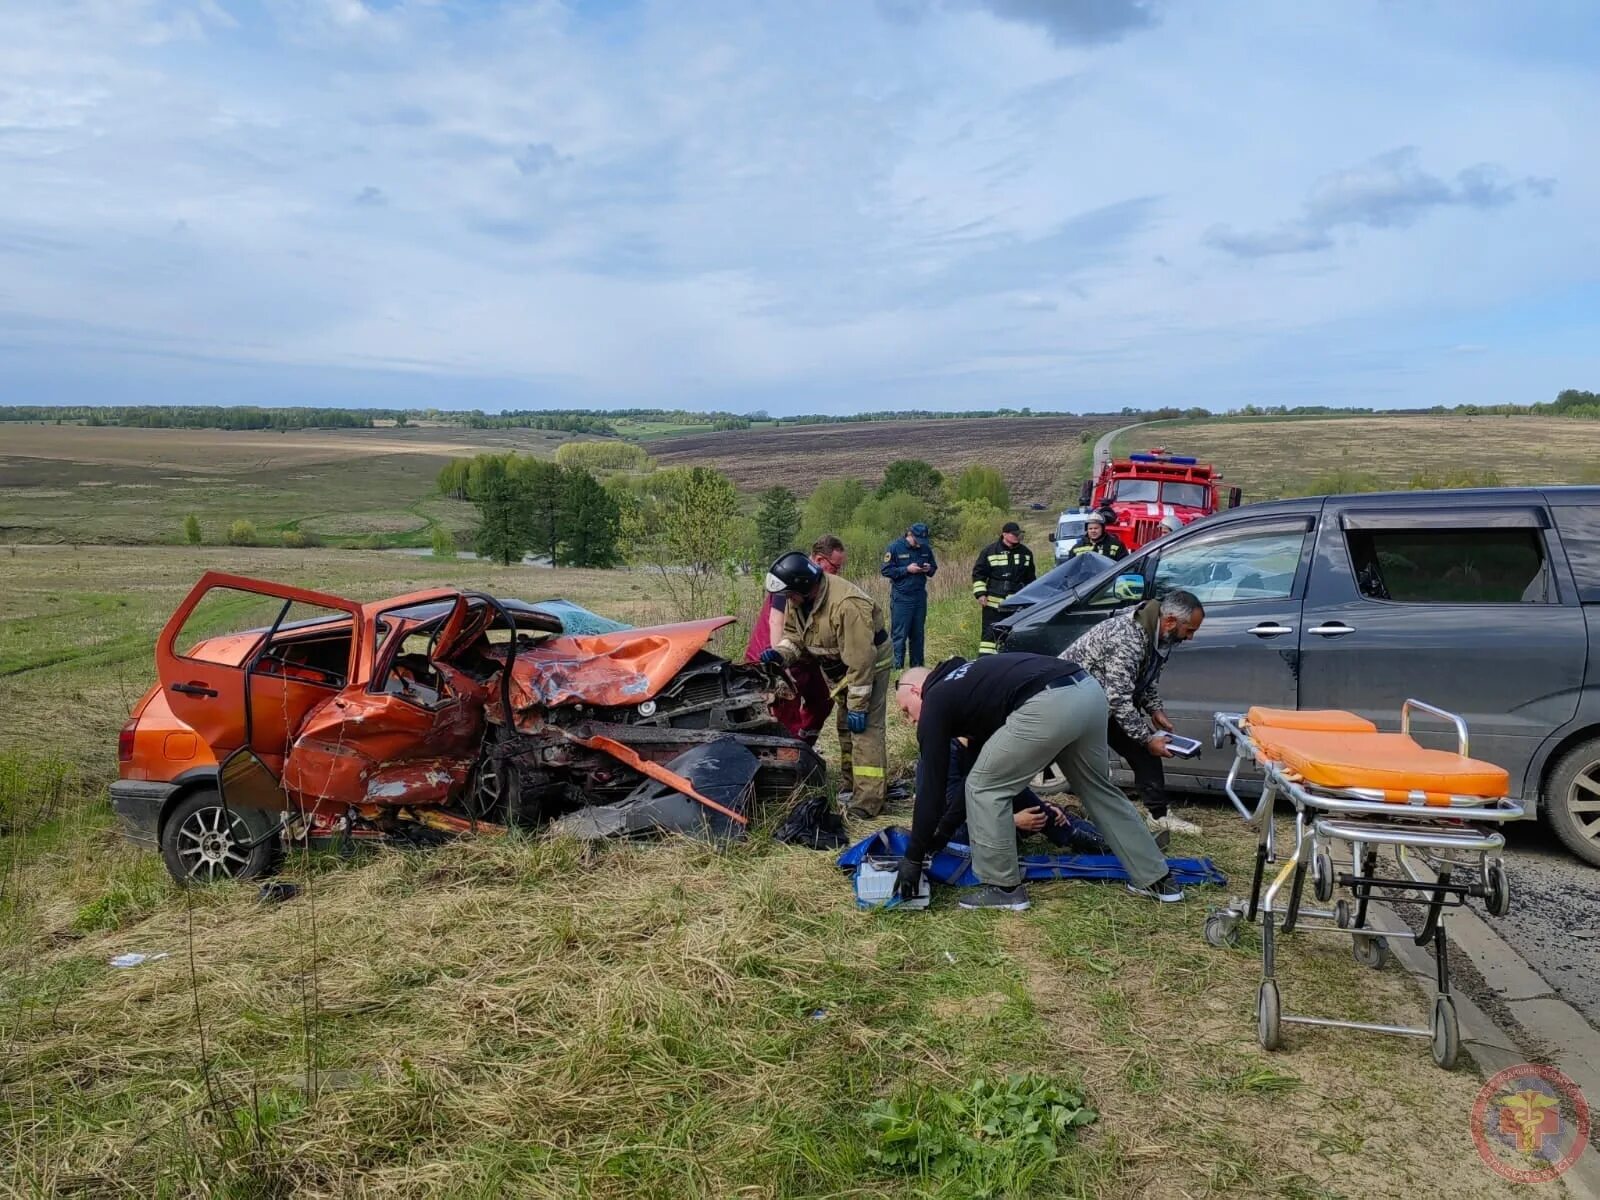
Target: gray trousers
(1067,726)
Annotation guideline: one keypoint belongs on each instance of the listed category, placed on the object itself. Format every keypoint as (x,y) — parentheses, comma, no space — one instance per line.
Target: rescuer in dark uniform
(1004,568)
(908,564)
(1097,539)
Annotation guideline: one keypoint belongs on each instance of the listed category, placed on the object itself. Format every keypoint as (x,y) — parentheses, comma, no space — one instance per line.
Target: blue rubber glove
(857,722)
(772,658)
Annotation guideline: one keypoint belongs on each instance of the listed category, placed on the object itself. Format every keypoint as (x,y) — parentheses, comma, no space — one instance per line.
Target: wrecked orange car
(431,714)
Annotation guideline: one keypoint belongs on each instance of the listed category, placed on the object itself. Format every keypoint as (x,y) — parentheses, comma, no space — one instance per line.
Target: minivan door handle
(195,689)
(1271,629)
(1332,629)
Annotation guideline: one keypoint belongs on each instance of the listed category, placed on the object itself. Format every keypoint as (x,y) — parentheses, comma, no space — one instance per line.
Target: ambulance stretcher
(1355,790)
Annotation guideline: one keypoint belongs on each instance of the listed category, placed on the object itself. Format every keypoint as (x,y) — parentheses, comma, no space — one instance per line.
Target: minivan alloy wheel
(1572,800)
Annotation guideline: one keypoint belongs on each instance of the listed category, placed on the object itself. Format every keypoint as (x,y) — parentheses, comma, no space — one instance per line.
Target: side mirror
(1128,587)
(1235,497)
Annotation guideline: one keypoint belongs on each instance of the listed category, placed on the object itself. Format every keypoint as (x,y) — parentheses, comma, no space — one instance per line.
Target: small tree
(503,532)
(241,533)
(543,486)
(191,530)
(684,527)
(444,542)
(453,478)
(590,522)
(777,521)
(979,482)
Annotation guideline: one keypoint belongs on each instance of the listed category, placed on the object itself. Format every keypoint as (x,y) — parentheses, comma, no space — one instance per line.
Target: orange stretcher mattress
(1330,720)
(1345,751)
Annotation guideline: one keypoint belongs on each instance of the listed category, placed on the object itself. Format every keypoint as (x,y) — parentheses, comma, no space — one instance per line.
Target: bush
(191,530)
(830,507)
(294,539)
(910,475)
(443,542)
(604,456)
(983,483)
(242,533)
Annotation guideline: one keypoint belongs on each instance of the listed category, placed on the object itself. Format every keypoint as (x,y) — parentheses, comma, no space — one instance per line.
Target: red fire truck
(1144,490)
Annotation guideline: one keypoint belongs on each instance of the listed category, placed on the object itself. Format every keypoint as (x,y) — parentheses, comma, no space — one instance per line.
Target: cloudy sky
(813,205)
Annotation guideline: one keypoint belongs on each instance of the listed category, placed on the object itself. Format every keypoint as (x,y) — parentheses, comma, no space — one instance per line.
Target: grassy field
(1030,451)
(529,1017)
(1271,458)
(81,484)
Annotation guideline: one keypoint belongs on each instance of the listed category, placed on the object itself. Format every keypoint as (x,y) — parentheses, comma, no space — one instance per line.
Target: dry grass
(78,484)
(525,1017)
(1273,458)
(1029,451)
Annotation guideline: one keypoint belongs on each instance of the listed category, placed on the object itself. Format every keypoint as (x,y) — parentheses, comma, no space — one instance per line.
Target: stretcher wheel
(1269,1015)
(1446,1033)
(1341,914)
(1321,876)
(1222,930)
(1370,950)
(1498,902)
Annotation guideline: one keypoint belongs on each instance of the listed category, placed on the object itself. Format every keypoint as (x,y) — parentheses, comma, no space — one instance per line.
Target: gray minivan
(1485,602)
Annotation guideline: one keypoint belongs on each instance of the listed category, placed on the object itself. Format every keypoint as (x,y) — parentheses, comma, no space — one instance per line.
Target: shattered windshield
(578,620)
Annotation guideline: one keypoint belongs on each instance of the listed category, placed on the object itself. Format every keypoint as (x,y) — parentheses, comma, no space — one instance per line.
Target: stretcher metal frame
(1444,850)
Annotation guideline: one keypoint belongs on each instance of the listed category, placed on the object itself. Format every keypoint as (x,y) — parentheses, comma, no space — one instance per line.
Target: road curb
(1530,1022)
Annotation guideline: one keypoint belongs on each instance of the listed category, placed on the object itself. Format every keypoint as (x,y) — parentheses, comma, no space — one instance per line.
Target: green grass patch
(990,1138)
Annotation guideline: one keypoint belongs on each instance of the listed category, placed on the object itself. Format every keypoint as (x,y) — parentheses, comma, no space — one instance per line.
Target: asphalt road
(1554,922)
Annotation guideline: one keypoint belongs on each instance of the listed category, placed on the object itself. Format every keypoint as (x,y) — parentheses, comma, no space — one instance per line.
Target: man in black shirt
(1019,713)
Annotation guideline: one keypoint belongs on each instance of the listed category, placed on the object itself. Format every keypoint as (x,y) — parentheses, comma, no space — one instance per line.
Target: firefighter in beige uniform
(835,622)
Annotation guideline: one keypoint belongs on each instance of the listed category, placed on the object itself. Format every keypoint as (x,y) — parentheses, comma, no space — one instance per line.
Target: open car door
(253,690)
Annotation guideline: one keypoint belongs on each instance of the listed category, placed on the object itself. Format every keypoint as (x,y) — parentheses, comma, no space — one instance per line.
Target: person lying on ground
(1018,713)
(1030,813)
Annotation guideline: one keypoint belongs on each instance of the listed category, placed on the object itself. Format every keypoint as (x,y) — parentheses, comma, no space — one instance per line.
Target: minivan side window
(1249,564)
(1580,534)
(1451,566)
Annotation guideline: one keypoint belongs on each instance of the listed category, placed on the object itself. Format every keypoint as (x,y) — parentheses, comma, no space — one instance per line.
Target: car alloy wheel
(213,843)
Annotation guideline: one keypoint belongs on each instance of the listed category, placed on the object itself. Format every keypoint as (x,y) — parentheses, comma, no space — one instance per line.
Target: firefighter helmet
(793,572)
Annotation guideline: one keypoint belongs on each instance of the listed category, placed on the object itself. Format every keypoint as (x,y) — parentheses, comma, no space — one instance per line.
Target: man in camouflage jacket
(1125,655)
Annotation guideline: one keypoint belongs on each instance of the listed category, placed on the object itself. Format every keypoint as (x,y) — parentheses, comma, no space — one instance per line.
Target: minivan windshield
(1077,571)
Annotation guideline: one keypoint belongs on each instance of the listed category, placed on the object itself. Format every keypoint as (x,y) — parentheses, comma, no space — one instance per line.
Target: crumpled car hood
(606,669)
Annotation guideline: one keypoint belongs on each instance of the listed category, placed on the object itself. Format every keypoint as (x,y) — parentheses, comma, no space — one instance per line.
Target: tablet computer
(1183,747)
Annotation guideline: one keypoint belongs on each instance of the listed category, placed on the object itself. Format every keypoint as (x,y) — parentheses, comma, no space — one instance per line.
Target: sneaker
(1164,889)
(1013,899)
(1176,824)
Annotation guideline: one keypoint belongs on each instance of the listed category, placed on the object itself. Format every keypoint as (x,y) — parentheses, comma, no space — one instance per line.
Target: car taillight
(125,742)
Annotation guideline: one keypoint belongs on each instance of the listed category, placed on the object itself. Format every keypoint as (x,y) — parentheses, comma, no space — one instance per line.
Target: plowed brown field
(1029,451)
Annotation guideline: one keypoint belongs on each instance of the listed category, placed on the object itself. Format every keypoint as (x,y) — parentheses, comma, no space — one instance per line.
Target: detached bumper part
(722,771)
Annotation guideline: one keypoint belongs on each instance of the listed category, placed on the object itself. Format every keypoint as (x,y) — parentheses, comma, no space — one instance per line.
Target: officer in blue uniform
(908,564)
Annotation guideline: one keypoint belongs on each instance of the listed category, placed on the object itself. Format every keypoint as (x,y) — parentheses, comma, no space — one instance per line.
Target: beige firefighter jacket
(844,627)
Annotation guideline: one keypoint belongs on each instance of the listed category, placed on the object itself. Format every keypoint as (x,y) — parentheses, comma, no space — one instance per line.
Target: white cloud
(804,206)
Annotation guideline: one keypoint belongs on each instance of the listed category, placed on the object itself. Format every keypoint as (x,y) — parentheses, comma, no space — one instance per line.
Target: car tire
(1575,779)
(201,841)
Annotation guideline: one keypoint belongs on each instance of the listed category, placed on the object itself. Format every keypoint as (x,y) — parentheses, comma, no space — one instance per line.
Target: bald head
(908,692)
